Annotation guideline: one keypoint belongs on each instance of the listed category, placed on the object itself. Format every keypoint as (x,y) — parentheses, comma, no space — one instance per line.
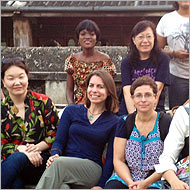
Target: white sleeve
(160,27)
(174,142)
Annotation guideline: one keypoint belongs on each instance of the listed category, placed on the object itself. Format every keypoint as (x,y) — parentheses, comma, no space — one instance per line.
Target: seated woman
(139,140)
(178,137)
(82,134)
(29,122)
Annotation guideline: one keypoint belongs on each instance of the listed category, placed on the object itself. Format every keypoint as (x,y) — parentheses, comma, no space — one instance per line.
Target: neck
(144,56)
(184,12)
(18,99)
(88,52)
(96,109)
(144,117)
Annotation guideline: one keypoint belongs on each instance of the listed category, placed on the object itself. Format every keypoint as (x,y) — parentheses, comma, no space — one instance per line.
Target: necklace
(91,115)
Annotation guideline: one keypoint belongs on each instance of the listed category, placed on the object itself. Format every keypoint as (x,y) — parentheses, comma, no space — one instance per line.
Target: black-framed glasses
(13,60)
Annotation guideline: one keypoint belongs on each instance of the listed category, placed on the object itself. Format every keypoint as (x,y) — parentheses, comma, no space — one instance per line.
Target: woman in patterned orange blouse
(28,127)
(79,65)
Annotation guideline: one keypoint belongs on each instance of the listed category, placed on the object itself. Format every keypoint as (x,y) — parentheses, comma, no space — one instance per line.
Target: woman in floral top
(28,127)
(79,65)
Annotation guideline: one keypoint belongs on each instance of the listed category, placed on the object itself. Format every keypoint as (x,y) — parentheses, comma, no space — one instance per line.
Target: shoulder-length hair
(111,103)
(14,61)
(134,56)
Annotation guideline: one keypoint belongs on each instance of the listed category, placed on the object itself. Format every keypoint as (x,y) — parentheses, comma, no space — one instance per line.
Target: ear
(134,40)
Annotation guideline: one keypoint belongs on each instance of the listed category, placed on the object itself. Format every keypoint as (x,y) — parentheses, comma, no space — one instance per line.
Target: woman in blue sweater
(82,134)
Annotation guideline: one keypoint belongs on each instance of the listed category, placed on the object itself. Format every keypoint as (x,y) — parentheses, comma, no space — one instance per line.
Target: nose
(143,98)
(16,81)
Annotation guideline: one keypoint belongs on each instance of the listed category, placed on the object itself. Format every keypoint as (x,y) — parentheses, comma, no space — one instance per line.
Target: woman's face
(144,41)
(15,81)
(96,91)
(87,39)
(144,99)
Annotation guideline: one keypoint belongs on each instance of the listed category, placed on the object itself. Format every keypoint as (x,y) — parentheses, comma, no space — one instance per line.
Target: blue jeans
(178,91)
(17,170)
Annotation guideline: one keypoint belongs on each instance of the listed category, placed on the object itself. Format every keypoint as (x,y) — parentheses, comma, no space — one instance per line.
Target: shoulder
(103,56)
(75,108)
(169,15)
(38,96)
(163,57)
(125,59)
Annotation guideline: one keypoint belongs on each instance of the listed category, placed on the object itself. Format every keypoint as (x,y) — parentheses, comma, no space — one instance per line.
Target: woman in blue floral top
(28,127)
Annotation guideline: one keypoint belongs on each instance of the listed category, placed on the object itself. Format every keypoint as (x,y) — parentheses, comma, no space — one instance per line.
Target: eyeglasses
(141,37)
(12,60)
(146,96)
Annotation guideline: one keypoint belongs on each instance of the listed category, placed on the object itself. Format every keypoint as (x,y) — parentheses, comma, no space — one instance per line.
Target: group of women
(38,147)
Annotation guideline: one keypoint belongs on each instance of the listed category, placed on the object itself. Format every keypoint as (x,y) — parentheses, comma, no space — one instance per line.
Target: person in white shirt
(173,31)
(176,148)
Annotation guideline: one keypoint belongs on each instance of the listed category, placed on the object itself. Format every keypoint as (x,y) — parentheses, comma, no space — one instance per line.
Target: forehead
(148,30)
(143,89)
(14,70)
(96,79)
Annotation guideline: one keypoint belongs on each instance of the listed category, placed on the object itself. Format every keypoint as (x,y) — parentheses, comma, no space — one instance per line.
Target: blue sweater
(76,137)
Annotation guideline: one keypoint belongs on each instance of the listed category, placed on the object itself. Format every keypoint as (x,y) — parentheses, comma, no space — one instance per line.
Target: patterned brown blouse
(80,70)
(40,123)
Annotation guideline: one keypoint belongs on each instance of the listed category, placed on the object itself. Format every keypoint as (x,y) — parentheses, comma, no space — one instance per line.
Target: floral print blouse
(80,70)
(40,123)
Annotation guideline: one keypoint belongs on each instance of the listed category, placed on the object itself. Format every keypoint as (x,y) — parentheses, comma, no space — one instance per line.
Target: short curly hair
(144,80)
(89,25)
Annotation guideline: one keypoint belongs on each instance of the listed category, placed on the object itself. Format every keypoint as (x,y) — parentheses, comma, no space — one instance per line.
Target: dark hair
(90,26)
(176,5)
(144,80)
(15,61)
(111,103)
(141,26)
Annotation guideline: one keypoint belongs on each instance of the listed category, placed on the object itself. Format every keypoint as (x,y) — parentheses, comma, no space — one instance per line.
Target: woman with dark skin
(80,64)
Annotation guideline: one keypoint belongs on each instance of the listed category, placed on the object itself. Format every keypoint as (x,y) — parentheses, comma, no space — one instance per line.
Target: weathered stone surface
(47,63)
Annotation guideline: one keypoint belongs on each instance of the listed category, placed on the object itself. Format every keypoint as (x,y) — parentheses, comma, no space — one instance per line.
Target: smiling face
(144,41)
(15,81)
(87,39)
(96,91)
(144,98)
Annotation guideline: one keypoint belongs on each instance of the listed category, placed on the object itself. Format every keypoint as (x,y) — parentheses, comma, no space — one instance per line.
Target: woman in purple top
(145,58)
(82,134)
(139,140)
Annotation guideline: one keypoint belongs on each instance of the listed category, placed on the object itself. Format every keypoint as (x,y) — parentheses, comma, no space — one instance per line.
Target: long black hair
(134,56)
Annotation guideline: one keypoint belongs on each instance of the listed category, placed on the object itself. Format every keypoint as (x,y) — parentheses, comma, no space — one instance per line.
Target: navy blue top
(159,72)
(77,137)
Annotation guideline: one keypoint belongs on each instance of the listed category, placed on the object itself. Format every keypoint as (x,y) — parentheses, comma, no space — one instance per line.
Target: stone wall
(46,65)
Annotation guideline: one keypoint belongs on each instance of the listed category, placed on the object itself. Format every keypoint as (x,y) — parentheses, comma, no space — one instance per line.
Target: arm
(144,184)
(62,132)
(128,100)
(179,130)
(119,160)
(174,181)
(70,89)
(160,86)
(181,54)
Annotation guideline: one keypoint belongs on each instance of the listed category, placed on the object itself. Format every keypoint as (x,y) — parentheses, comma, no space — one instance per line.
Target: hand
(96,187)
(50,160)
(138,185)
(181,54)
(31,148)
(178,184)
(35,158)
(21,148)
